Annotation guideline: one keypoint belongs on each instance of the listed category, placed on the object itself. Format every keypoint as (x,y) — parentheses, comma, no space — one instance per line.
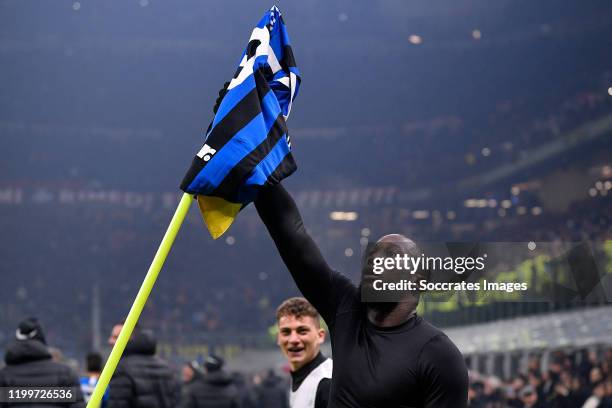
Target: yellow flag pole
(141,299)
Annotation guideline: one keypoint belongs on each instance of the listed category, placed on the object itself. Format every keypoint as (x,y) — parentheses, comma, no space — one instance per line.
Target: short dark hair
(298,307)
(93,362)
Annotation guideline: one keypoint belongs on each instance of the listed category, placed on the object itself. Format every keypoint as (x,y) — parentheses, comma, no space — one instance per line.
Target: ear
(321,336)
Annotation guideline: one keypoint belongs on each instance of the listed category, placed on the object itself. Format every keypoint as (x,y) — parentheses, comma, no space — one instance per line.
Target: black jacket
(29,364)
(141,379)
(273,392)
(245,392)
(214,390)
(193,392)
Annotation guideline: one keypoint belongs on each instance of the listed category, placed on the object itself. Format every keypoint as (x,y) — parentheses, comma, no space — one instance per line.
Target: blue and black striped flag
(247,145)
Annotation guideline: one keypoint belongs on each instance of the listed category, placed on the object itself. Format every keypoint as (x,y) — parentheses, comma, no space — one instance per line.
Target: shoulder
(123,371)
(136,361)
(430,336)
(443,373)
(51,366)
(439,348)
(429,328)
(323,370)
(146,367)
(327,367)
(127,363)
(441,360)
(51,371)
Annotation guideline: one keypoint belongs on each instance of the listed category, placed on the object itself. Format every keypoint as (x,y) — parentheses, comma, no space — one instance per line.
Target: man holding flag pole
(246,147)
(386,355)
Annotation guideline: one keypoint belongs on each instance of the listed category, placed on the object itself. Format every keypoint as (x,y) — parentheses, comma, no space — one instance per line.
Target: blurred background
(462,120)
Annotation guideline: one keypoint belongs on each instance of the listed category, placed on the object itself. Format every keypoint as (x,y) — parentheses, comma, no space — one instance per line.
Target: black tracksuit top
(410,365)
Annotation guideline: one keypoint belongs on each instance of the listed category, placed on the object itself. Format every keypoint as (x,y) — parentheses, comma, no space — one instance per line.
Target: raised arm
(315,279)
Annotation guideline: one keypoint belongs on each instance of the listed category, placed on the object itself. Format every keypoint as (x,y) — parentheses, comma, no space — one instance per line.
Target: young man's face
(114,334)
(299,339)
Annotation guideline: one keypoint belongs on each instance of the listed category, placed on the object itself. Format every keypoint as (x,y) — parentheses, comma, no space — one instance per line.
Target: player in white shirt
(300,336)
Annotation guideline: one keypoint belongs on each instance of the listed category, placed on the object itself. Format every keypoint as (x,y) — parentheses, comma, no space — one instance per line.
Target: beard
(379,307)
(382,307)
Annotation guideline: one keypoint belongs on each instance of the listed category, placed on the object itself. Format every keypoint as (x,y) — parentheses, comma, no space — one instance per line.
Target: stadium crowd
(564,379)
(125,239)
(140,380)
(569,380)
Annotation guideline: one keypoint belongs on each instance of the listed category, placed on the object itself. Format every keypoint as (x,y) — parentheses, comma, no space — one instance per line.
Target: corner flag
(247,145)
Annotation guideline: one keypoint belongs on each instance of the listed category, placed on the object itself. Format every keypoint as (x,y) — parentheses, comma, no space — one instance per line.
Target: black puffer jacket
(214,390)
(29,364)
(190,391)
(141,379)
(273,392)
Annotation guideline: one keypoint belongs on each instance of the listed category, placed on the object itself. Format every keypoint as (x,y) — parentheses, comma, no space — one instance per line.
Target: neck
(391,314)
(297,367)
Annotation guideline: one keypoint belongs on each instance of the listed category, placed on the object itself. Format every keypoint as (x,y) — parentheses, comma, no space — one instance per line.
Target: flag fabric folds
(247,145)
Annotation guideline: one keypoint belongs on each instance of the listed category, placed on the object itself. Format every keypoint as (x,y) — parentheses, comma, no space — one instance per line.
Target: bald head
(392,245)
(389,307)
(403,244)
